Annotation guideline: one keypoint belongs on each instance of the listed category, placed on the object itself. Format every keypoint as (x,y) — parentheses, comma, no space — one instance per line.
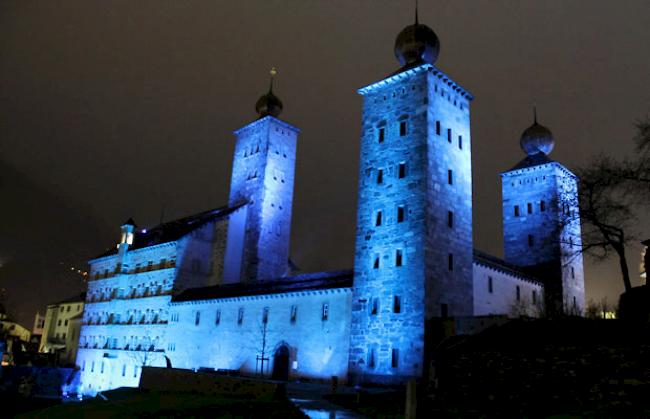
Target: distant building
(61,329)
(216,289)
(645,259)
(13,338)
(39,323)
(37,331)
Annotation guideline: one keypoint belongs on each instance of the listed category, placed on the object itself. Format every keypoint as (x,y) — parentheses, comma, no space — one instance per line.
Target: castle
(216,290)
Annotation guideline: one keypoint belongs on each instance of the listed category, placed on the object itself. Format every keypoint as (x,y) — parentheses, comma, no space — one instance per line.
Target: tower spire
(535,113)
(416,12)
(273,72)
(269,104)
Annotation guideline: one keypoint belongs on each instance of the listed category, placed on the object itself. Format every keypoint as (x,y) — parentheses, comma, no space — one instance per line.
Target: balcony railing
(127,347)
(136,270)
(126,323)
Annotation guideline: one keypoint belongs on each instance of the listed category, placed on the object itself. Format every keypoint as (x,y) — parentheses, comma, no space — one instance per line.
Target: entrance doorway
(281,364)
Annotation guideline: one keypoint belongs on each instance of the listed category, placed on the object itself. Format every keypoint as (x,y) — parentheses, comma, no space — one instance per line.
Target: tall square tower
(413,255)
(541,222)
(262,180)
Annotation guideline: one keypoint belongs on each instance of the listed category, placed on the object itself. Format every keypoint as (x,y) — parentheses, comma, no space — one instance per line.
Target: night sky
(118,109)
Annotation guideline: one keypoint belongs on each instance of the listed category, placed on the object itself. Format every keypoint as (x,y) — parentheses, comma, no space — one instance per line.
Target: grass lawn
(134,403)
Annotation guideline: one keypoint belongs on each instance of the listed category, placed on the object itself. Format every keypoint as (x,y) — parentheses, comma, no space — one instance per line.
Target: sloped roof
(537,159)
(298,283)
(501,265)
(173,230)
(74,299)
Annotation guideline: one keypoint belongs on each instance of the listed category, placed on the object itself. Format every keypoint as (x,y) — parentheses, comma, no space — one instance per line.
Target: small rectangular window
(518,293)
(450,262)
(573,273)
(460,142)
(217,317)
(534,297)
(197,318)
(397,304)
(371,358)
(401,214)
(398,257)
(516,210)
(123,370)
(531,240)
(265,315)
(542,206)
(374,307)
(325,311)
(394,359)
(530,208)
(449,135)
(401,172)
(402,128)
(380,176)
(378,219)
(382,134)
(490,285)
(438,128)
(240,316)
(375,263)
(450,177)
(450,219)
(294,313)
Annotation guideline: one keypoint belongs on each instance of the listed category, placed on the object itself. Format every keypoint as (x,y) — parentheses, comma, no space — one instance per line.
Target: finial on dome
(537,138)
(416,44)
(273,72)
(269,104)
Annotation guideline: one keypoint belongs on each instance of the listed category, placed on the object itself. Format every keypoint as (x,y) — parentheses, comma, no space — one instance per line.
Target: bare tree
(610,194)
(592,311)
(606,213)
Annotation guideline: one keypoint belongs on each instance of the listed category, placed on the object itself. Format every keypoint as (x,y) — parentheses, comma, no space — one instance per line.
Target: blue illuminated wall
(541,229)
(263,176)
(211,333)
(125,317)
(413,256)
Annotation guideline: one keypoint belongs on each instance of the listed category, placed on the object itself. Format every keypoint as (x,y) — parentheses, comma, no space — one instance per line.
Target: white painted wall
(318,347)
(503,298)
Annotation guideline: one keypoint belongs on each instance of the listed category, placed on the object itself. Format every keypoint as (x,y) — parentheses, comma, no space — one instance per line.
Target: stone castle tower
(413,255)
(541,222)
(262,180)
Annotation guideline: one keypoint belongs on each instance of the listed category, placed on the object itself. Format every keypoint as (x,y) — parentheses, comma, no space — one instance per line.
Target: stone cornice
(271,296)
(266,119)
(415,70)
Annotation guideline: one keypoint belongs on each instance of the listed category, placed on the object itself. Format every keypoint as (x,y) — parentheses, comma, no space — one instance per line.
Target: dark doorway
(281,364)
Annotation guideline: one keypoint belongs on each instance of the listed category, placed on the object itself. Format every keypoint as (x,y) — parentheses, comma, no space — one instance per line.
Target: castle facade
(216,290)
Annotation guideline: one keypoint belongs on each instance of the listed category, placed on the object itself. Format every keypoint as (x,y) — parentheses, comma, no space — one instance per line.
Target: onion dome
(417,44)
(269,104)
(537,139)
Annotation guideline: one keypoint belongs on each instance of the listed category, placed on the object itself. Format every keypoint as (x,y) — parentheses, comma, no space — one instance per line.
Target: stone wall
(230,334)
(413,252)
(263,176)
(508,294)
(541,228)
